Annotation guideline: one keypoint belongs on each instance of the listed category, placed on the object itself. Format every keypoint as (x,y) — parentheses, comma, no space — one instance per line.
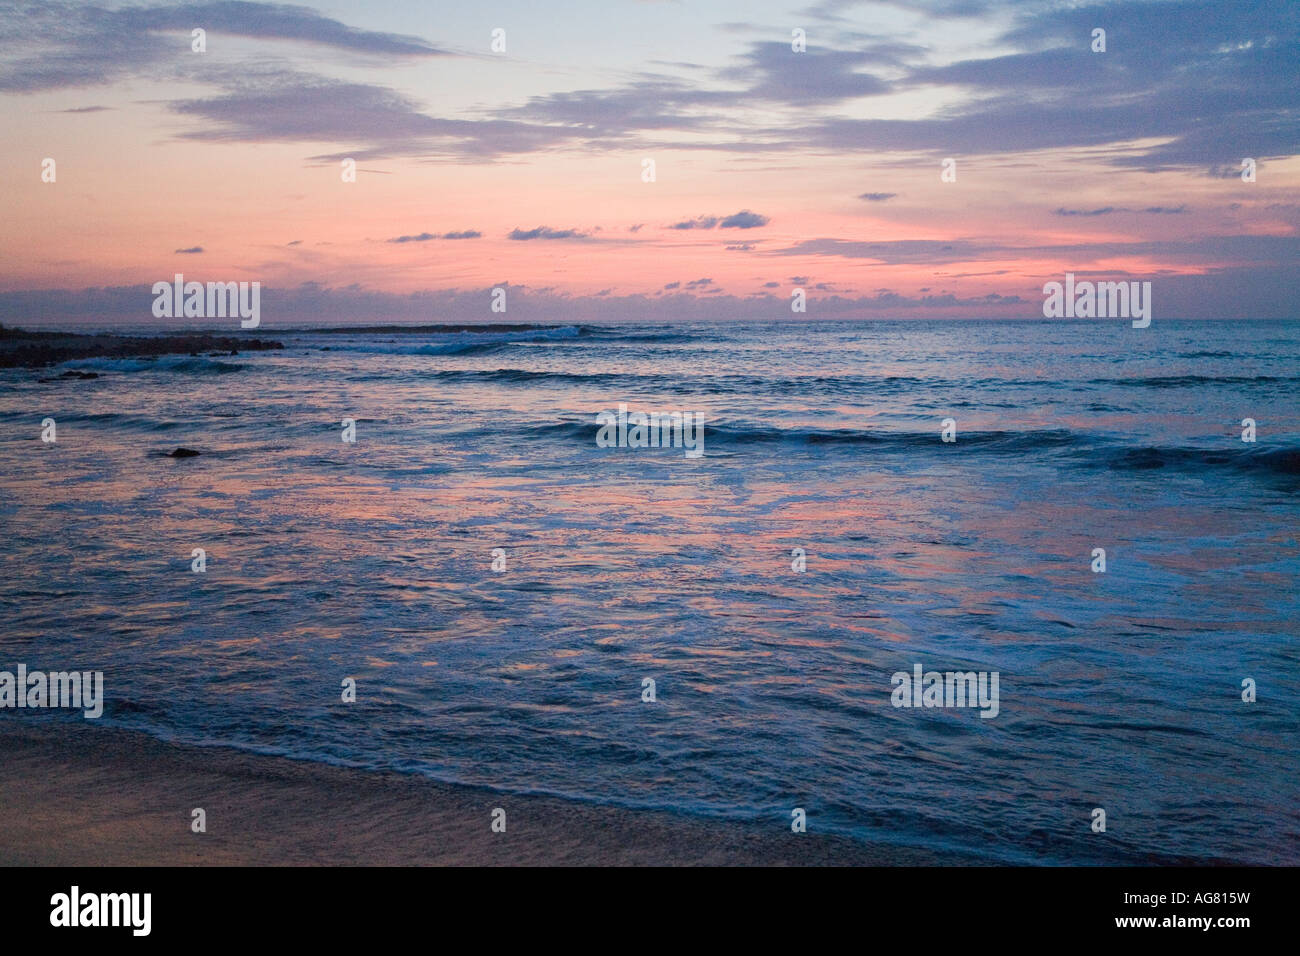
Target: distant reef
(24,349)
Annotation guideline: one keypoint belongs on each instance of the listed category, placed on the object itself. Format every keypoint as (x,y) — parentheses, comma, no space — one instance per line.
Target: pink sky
(237,152)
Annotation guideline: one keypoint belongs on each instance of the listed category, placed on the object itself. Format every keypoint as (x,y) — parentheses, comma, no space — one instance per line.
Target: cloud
(427,236)
(741,220)
(1247,292)
(877,197)
(652,103)
(546,232)
(54,45)
(1239,251)
(269,105)
(1107,210)
(1200,85)
(192,250)
(745,220)
(819,75)
(700,222)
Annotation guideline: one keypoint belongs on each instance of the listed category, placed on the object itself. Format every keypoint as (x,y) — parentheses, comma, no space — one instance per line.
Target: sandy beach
(78,795)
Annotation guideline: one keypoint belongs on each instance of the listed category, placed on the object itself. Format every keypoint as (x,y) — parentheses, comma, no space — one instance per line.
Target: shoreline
(77,795)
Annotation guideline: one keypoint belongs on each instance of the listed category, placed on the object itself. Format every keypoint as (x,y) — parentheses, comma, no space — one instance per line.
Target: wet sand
(77,794)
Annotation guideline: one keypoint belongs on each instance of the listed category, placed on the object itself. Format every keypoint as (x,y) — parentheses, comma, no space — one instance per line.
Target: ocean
(827,539)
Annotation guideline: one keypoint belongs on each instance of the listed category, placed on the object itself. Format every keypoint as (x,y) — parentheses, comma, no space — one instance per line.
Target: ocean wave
(460,336)
(650,338)
(1084,448)
(1190,381)
(520,376)
(730,384)
(193,365)
(1277,461)
(746,434)
(462,342)
(821,385)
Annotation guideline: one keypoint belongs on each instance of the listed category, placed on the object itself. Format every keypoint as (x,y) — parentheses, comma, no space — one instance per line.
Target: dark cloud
(744,220)
(877,197)
(741,220)
(191,251)
(1204,83)
(546,232)
(1107,210)
(772,71)
(427,236)
(700,222)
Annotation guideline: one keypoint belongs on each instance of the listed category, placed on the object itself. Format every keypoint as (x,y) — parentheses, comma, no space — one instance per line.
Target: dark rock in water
(184,453)
(71,373)
(20,348)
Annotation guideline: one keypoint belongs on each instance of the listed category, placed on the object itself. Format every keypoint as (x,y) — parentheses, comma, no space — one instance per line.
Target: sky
(774,169)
